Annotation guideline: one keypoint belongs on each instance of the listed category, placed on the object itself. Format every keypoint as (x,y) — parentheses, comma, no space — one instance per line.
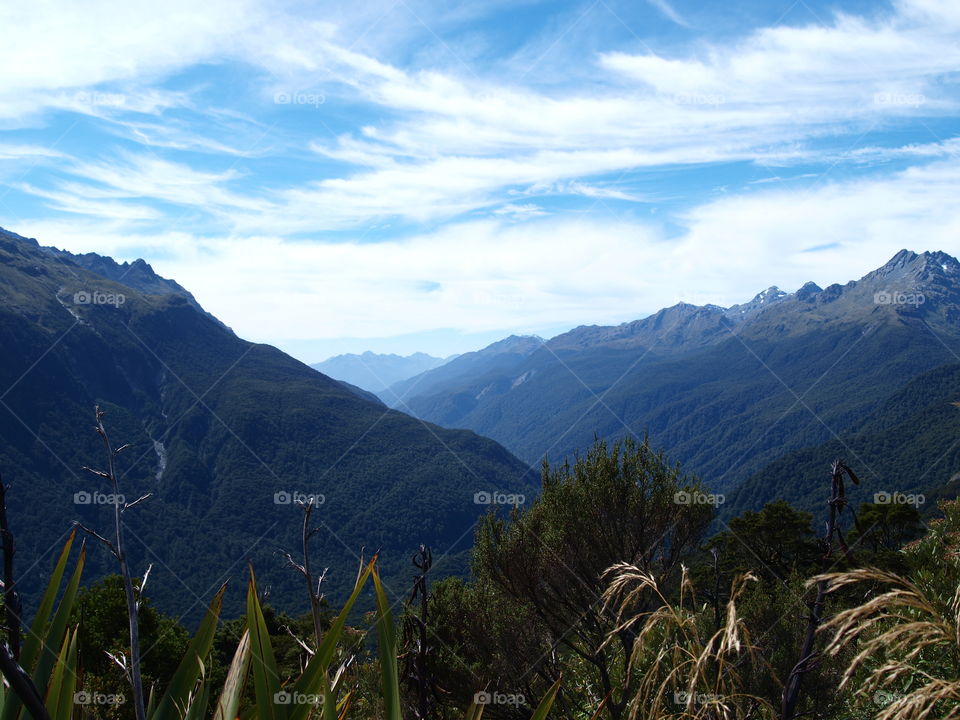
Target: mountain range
(223,434)
(757,399)
(759,396)
(375,372)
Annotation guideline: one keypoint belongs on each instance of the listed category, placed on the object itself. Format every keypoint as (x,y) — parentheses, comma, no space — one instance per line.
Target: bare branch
(299,642)
(98,473)
(97,535)
(127,506)
(134,675)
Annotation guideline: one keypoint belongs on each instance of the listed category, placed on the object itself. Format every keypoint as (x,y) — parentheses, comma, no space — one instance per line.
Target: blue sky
(400,175)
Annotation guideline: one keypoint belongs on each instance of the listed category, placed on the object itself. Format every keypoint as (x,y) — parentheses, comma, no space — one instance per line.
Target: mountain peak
(761,301)
(911,271)
(771,294)
(8,235)
(909,260)
(808,291)
(523,344)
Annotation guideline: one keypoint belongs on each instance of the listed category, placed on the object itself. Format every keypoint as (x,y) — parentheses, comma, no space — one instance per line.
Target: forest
(617,593)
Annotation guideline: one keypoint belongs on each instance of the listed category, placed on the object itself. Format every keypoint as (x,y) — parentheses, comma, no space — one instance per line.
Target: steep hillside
(725,391)
(909,445)
(223,431)
(500,357)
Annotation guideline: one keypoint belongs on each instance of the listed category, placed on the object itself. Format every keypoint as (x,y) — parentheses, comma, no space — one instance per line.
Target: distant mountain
(223,432)
(726,391)
(376,372)
(498,357)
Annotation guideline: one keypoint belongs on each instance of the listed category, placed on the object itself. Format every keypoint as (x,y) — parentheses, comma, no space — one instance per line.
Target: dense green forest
(603,598)
(730,392)
(219,428)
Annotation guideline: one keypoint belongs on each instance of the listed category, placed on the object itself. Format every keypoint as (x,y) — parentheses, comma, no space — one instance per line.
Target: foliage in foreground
(907,630)
(51,672)
(604,581)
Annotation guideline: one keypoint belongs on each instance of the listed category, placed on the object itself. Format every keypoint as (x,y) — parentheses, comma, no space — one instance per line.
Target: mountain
(365,394)
(909,446)
(725,391)
(223,433)
(500,356)
(376,372)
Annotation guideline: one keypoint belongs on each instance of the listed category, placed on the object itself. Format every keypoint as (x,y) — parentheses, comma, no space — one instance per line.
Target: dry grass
(907,646)
(682,670)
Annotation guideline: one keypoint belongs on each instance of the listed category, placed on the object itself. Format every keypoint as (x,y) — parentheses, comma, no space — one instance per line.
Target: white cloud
(82,204)
(460,143)
(668,10)
(440,144)
(499,275)
(145,177)
(19,152)
(758,239)
(526,210)
(57,46)
(455,144)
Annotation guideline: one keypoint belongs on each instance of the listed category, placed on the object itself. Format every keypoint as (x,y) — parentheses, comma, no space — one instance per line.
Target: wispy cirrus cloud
(392,140)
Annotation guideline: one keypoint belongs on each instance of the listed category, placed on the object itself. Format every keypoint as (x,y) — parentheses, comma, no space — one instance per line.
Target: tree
(624,504)
(485,640)
(773,543)
(101,612)
(886,527)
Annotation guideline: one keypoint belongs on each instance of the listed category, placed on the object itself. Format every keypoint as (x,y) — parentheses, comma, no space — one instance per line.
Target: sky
(403,175)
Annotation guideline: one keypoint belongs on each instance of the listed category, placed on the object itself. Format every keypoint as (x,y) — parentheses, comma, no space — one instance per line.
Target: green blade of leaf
(38,630)
(547,702)
(266,680)
(310,682)
(63,680)
(197,709)
(388,652)
(57,629)
(329,700)
(185,678)
(229,703)
(328,645)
